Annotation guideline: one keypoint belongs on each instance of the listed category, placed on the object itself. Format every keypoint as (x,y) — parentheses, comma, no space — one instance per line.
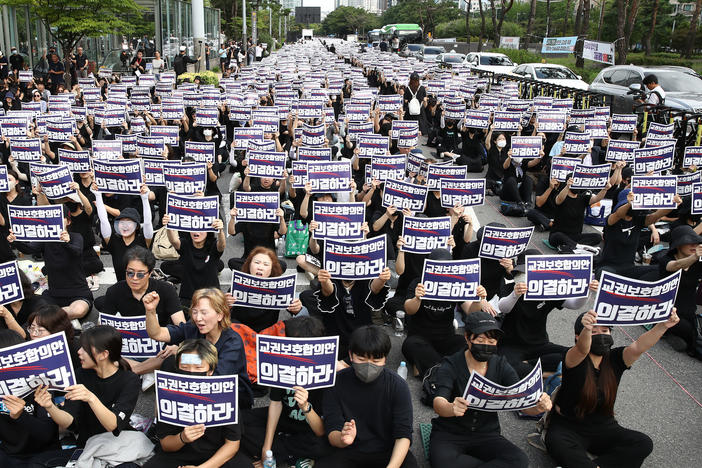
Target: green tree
(349,20)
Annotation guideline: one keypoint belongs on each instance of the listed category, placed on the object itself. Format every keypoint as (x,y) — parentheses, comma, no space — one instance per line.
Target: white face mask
(501,143)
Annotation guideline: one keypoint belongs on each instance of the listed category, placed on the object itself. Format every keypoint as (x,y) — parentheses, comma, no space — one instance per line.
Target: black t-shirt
(119,298)
(621,240)
(118,392)
(573,381)
(254,318)
(257,234)
(451,380)
(200,265)
(206,446)
(494,159)
(549,207)
(82,224)
(292,420)
(686,300)
(433,320)
(433,208)
(382,409)
(525,324)
(32,432)
(570,214)
(117,249)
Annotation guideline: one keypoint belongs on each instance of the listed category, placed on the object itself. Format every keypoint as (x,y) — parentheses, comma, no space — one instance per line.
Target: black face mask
(482,352)
(601,344)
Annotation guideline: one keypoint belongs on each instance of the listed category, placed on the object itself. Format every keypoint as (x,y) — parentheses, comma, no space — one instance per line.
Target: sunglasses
(138,274)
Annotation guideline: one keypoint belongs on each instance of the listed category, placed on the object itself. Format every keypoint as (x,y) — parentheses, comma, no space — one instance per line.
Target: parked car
(682,86)
(489,61)
(551,73)
(450,59)
(411,50)
(430,53)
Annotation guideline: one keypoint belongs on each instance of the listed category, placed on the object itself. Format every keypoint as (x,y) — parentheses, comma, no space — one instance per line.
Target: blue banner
(364,259)
(4,180)
(296,362)
(169,133)
(484,395)
(408,138)
(390,103)
(526,147)
(370,145)
(267,164)
(12,126)
(558,45)
(60,132)
(685,182)
(422,235)
(498,243)
(404,195)
(438,172)
(590,177)
(577,143)
(10,283)
(506,121)
(451,280)
(550,122)
(150,146)
(313,154)
(41,223)
(469,192)
(44,361)
(625,301)
(338,221)
(659,131)
(76,161)
(562,167)
(26,149)
(697,198)
(359,128)
(107,150)
(313,135)
(624,123)
(477,119)
(693,156)
(184,400)
(257,207)
(398,125)
(55,183)
(555,277)
(153,171)
(388,167)
(263,293)
(333,176)
(185,179)
(621,150)
(121,177)
(207,117)
(654,192)
(136,343)
(299,172)
(200,151)
(192,214)
(309,109)
(240,113)
(654,159)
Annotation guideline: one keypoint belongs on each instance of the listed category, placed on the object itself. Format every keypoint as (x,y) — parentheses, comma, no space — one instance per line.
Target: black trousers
(288,444)
(549,353)
(182,458)
(642,272)
(519,192)
(347,458)
(472,450)
(686,328)
(616,447)
(538,217)
(571,240)
(424,353)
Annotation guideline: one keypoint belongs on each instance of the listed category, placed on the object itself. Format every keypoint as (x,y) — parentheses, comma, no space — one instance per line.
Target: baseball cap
(129,213)
(480,322)
(182,48)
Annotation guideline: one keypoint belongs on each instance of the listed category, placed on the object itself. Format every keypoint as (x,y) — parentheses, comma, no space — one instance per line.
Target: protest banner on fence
(10,283)
(484,395)
(267,164)
(185,179)
(185,400)
(44,361)
(263,293)
(451,280)
(191,214)
(332,176)
(625,301)
(120,177)
(556,277)
(359,260)
(654,192)
(257,207)
(422,235)
(558,45)
(338,221)
(284,362)
(590,177)
(602,52)
(404,195)
(136,343)
(498,243)
(41,223)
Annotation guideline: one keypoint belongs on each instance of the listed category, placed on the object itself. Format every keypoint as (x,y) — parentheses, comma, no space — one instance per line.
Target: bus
(408,33)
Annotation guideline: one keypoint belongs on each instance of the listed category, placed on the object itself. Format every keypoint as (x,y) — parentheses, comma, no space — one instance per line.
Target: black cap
(481,322)
(414,76)
(682,235)
(440,254)
(129,213)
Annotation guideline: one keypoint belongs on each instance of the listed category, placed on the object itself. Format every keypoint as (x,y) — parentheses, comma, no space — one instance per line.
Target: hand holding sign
(15,405)
(192,433)
(589,320)
(459,405)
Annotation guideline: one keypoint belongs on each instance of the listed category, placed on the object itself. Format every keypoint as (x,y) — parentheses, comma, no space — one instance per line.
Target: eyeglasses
(138,274)
(34,330)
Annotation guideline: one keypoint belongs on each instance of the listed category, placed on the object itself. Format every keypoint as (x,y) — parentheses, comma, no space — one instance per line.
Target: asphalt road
(660,395)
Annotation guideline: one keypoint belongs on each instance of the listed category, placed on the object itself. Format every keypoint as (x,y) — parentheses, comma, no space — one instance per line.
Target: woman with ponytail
(582,419)
(103,401)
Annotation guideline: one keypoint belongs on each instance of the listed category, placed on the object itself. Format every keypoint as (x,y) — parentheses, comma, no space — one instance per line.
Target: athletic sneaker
(304,463)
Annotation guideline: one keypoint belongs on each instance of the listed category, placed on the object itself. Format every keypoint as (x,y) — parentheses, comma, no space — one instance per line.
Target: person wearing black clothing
(431,120)
(16,195)
(80,63)
(181,61)
(82,223)
(4,67)
(388,221)
(414,94)
(256,235)
(448,140)
(473,153)
(104,399)
(545,203)
(383,46)
(16,61)
(497,149)
(14,315)
(684,255)
(138,64)
(567,230)
(56,71)
(368,413)
(583,422)
(524,326)
(462,437)
(198,445)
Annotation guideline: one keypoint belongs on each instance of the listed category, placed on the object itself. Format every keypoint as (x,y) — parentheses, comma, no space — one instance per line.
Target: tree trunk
(548,18)
(654,15)
(692,34)
(468,25)
(630,20)
(493,16)
(503,12)
(579,18)
(530,24)
(584,28)
(621,45)
(566,16)
(482,26)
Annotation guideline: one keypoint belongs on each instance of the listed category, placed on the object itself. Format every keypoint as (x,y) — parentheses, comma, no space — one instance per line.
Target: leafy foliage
(349,20)
(206,77)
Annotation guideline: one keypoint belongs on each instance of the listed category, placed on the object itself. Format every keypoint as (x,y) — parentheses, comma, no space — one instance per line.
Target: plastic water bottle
(399,323)
(269,461)
(402,370)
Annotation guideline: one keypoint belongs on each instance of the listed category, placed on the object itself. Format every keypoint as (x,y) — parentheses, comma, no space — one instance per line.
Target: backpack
(414,106)
(296,239)
(429,386)
(162,247)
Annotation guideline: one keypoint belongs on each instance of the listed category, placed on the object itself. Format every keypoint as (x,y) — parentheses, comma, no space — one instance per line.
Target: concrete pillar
(198,30)
(243,27)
